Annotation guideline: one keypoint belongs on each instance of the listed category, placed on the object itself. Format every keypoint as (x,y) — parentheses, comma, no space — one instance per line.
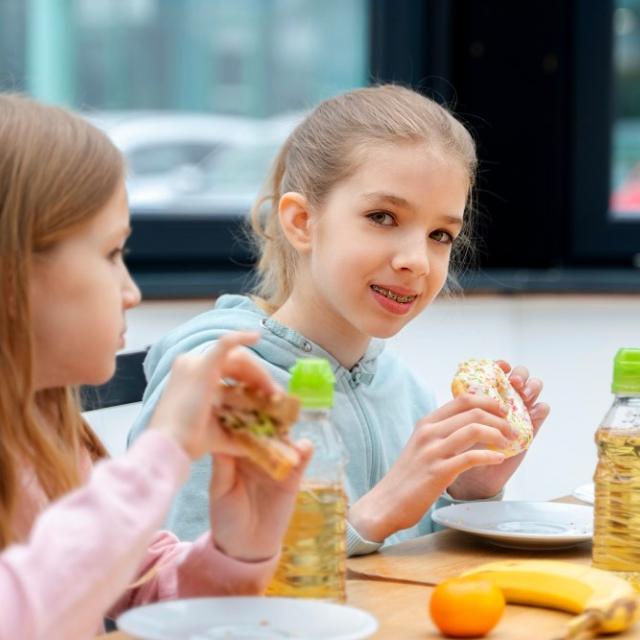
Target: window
(625,153)
(198,94)
(549,88)
(605,220)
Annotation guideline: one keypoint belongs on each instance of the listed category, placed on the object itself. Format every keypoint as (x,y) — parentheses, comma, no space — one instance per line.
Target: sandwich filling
(256,413)
(256,422)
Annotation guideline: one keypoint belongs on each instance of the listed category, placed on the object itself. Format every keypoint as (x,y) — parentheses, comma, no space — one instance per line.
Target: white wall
(569,341)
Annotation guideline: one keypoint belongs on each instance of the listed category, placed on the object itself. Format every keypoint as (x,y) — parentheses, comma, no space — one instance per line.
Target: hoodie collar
(361,373)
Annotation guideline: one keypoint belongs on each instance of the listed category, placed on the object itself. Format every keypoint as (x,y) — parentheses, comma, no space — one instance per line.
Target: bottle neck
(630,398)
(624,413)
(329,454)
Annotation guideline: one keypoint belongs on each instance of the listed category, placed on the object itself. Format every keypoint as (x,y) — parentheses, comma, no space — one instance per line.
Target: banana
(606,603)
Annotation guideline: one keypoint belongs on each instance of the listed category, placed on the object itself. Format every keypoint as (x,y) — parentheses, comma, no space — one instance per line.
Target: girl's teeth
(392,296)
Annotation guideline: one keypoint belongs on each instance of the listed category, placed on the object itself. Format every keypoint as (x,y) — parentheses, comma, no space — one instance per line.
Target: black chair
(126,386)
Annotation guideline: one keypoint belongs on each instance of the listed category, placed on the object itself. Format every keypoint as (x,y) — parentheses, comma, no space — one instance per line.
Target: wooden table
(395,585)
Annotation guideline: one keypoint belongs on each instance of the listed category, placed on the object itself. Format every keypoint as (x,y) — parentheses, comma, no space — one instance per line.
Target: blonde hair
(325,149)
(56,173)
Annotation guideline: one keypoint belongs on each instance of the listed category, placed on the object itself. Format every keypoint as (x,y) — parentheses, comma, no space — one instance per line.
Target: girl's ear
(295,220)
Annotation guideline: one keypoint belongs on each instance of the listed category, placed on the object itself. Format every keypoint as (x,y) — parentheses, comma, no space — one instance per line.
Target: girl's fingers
(529,388)
(471,436)
(305,449)
(518,377)
(504,365)
(470,459)
(243,367)
(539,414)
(231,463)
(465,402)
(531,391)
(223,443)
(476,416)
(223,476)
(227,359)
(227,343)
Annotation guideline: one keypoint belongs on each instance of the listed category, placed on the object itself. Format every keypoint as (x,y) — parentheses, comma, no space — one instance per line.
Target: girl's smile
(394,299)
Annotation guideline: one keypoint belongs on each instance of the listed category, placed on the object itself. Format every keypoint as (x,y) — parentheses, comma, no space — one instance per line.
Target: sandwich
(260,424)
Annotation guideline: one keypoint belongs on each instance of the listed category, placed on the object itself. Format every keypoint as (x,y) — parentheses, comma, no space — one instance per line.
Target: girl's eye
(382,218)
(442,236)
(119,253)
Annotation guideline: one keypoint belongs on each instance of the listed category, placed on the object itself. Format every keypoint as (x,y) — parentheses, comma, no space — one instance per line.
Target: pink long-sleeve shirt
(79,555)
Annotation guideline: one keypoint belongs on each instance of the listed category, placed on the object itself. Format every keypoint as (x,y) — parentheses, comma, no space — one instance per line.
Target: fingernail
(535,411)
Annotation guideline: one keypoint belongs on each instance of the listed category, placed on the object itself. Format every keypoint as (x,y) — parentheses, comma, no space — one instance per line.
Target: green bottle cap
(312,382)
(626,371)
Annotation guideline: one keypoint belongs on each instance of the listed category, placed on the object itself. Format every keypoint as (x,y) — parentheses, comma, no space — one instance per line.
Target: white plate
(247,618)
(585,492)
(521,525)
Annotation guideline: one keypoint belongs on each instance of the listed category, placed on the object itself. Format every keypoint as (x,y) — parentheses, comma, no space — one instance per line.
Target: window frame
(597,238)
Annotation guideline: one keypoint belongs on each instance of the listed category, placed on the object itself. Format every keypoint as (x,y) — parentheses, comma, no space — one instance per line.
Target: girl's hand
(485,482)
(185,410)
(250,511)
(442,446)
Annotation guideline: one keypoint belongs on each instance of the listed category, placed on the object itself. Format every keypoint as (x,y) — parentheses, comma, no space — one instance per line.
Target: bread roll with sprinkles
(485,377)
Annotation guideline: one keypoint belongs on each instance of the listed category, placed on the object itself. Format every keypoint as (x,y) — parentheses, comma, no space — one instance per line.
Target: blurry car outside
(195,164)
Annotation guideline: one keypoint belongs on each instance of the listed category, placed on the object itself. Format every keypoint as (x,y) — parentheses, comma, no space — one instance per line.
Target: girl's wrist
(243,556)
(167,430)
(461,489)
(177,434)
(369,517)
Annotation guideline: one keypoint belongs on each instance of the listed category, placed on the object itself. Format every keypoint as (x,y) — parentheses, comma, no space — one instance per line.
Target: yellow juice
(314,548)
(616,536)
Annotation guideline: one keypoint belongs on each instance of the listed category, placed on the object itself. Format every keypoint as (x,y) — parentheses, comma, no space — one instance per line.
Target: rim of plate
(441,517)
(127,621)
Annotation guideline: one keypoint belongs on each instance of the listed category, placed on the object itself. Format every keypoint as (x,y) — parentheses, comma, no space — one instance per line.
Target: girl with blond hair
(368,204)
(78,530)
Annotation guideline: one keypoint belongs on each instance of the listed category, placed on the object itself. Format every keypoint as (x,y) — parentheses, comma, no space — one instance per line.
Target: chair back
(126,386)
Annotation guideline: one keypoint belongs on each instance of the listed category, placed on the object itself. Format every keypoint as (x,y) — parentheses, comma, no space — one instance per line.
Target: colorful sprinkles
(485,377)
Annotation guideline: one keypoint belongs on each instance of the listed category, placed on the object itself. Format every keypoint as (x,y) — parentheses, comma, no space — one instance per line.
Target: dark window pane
(625,169)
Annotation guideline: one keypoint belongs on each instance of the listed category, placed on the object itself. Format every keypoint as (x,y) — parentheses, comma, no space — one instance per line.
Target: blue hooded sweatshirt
(376,406)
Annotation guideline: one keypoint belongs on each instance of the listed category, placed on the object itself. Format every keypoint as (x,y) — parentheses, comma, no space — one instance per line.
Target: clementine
(466,607)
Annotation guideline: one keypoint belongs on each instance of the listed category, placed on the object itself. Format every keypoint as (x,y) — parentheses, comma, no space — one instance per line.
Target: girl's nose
(131,294)
(412,256)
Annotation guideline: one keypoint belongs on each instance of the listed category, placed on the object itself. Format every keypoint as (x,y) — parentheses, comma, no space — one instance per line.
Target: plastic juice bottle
(616,535)
(313,561)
